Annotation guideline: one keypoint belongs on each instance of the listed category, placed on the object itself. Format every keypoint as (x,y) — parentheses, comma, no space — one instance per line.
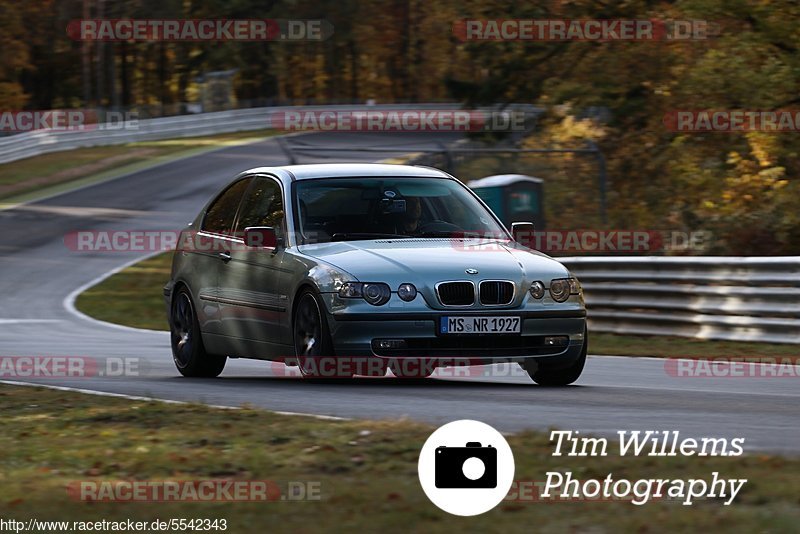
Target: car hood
(425,262)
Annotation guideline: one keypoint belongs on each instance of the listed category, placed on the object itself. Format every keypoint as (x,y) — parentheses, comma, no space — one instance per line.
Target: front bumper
(354,335)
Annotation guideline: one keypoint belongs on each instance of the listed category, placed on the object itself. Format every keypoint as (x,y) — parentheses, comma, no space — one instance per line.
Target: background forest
(741,187)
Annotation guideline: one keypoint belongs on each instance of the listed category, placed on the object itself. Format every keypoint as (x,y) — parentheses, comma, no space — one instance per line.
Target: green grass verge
(366,472)
(133,297)
(30,178)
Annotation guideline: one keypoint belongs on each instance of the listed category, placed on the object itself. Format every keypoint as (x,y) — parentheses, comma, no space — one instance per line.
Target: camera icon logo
(472,466)
(466,467)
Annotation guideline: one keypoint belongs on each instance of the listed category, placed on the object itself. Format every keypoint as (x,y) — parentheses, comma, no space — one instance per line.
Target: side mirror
(523,233)
(261,237)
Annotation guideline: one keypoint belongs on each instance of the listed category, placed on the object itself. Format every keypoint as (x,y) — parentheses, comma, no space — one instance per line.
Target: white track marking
(25,321)
(165,401)
(69,300)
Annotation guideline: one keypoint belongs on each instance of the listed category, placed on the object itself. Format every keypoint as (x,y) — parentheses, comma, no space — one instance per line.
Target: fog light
(556,341)
(388,344)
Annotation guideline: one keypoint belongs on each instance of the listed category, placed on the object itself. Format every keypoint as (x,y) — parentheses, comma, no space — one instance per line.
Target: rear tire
(559,377)
(188,352)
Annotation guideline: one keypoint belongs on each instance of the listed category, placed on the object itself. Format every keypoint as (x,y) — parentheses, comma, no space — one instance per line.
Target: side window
(219,216)
(262,206)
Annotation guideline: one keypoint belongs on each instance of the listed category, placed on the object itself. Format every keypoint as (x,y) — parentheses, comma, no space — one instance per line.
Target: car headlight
(537,290)
(407,292)
(350,290)
(376,293)
(562,288)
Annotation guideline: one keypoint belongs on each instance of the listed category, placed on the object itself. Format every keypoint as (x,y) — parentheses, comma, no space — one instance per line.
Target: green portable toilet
(513,197)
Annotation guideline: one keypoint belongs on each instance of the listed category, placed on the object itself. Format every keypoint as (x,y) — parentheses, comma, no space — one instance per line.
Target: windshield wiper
(346,236)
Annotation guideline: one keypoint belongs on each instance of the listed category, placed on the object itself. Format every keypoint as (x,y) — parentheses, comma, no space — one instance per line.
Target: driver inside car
(412,216)
(406,222)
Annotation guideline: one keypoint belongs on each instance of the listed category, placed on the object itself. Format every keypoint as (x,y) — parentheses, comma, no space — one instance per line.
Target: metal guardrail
(35,143)
(724,298)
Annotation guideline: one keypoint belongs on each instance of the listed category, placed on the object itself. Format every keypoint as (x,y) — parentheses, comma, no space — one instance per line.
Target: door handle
(225,256)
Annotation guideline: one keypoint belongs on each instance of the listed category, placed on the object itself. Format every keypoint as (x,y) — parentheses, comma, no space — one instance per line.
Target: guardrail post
(601,179)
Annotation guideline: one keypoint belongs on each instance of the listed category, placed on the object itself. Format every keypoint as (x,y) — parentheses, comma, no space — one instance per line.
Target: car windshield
(347,209)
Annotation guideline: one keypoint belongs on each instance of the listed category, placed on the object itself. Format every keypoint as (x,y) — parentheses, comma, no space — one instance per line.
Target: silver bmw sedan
(353,269)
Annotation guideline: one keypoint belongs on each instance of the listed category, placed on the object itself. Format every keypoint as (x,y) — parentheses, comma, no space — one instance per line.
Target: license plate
(479,325)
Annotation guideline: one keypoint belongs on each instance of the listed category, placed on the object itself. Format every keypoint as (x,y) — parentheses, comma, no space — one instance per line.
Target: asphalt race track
(39,273)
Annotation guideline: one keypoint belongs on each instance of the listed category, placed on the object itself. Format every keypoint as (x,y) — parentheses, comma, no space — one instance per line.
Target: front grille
(496,292)
(456,293)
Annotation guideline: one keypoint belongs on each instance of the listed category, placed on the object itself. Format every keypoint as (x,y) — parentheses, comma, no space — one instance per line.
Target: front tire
(188,352)
(312,340)
(559,377)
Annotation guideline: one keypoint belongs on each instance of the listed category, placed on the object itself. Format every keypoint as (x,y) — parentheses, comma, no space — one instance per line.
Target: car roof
(349,170)
(499,180)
